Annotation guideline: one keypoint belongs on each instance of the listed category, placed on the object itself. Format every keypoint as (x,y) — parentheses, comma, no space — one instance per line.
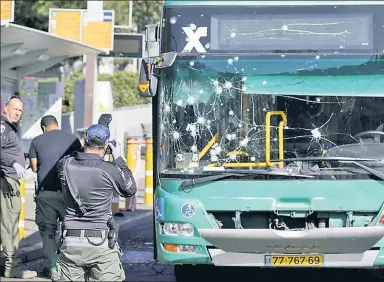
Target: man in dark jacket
(89,249)
(12,168)
(49,199)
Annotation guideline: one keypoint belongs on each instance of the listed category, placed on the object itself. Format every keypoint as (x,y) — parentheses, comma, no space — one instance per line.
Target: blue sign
(188,210)
(107,16)
(268,260)
(159,209)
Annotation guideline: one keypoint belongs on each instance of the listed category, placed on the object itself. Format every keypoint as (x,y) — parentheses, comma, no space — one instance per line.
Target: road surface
(136,240)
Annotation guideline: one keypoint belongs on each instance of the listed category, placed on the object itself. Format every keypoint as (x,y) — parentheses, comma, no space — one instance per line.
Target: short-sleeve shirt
(49,148)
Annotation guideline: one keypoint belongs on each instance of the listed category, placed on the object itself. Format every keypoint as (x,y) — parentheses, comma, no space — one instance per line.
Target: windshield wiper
(354,161)
(237,173)
(205,179)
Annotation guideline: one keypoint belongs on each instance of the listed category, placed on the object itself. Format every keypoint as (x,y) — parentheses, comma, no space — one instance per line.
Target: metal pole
(148,198)
(130,203)
(90,72)
(130,13)
(22,213)
(90,80)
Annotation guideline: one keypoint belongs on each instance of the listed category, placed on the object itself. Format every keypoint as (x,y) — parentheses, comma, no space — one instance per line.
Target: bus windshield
(241,105)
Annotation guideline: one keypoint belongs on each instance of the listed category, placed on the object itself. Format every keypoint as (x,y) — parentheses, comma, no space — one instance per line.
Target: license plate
(294,260)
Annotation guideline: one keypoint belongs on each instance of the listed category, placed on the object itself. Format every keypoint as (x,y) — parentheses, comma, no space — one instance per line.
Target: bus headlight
(180,229)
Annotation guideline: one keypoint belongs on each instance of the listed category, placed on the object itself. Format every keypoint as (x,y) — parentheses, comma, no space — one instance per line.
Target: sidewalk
(31,245)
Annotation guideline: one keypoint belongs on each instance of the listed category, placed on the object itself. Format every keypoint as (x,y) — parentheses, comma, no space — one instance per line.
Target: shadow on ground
(208,273)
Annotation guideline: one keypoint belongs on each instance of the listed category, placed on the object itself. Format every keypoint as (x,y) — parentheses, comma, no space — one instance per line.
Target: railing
(267,162)
(282,124)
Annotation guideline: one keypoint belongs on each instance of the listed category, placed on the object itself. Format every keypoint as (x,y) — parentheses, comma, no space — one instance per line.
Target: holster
(112,238)
(112,233)
(7,189)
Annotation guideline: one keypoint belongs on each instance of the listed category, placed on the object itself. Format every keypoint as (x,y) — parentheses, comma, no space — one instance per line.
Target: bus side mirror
(149,71)
(147,79)
(165,60)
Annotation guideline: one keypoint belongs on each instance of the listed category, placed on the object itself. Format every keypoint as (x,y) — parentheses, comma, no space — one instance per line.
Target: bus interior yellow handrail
(208,146)
(267,162)
(282,124)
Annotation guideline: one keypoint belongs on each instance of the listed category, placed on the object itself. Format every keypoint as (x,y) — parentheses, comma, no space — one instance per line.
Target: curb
(35,251)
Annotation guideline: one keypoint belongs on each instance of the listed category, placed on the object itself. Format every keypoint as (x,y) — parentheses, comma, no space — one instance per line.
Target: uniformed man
(45,152)
(12,168)
(89,249)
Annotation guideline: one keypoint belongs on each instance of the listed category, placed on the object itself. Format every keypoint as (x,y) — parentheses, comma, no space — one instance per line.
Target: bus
(268,130)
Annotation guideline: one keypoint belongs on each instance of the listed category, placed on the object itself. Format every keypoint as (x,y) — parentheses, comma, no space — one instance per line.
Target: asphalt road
(136,240)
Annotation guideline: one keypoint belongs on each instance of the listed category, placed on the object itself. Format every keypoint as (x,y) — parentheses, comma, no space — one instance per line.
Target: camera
(105,120)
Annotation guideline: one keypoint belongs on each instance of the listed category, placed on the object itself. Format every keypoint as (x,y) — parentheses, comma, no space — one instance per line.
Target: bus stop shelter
(27,52)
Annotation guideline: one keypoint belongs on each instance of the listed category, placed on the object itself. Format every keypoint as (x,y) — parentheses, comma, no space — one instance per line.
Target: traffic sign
(7,11)
(143,86)
(66,23)
(92,28)
(98,29)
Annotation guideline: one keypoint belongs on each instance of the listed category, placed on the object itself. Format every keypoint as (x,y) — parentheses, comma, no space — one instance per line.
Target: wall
(126,122)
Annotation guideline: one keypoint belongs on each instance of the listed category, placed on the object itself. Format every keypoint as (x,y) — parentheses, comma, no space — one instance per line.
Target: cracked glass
(253,85)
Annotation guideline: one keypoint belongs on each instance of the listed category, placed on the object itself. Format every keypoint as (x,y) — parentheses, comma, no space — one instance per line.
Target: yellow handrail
(208,146)
(268,137)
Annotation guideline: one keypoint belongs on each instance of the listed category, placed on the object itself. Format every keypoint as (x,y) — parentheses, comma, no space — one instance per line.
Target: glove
(20,170)
(116,150)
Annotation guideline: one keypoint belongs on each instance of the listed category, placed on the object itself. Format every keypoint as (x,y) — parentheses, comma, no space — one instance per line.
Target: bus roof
(269,3)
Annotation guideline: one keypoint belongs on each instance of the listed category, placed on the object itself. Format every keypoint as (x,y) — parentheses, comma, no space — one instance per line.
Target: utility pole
(130,13)
(91,71)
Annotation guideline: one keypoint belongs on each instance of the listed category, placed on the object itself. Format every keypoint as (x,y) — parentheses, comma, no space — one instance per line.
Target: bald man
(12,168)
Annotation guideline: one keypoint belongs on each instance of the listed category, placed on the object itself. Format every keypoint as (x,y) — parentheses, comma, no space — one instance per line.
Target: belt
(88,233)
(49,188)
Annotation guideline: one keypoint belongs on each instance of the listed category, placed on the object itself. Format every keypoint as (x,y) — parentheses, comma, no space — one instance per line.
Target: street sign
(66,23)
(7,11)
(98,29)
(127,45)
(92,28)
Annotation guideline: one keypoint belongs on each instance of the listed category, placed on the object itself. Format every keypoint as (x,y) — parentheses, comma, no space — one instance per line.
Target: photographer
(89,249)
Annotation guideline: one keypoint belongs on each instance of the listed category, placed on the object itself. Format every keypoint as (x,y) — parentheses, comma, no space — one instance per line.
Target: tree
(35,14)
(69,91)
(124,86)
(145,13)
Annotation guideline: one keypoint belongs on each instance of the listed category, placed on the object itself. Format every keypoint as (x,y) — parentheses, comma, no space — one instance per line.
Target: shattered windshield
(250,110)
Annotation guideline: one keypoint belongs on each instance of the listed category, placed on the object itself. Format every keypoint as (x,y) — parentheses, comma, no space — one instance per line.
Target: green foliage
(125,91)
(124,85)
(69,91)
(35,14)
(145,13)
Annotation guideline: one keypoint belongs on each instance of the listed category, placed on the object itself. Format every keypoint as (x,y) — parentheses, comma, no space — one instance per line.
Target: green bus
(268,124)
